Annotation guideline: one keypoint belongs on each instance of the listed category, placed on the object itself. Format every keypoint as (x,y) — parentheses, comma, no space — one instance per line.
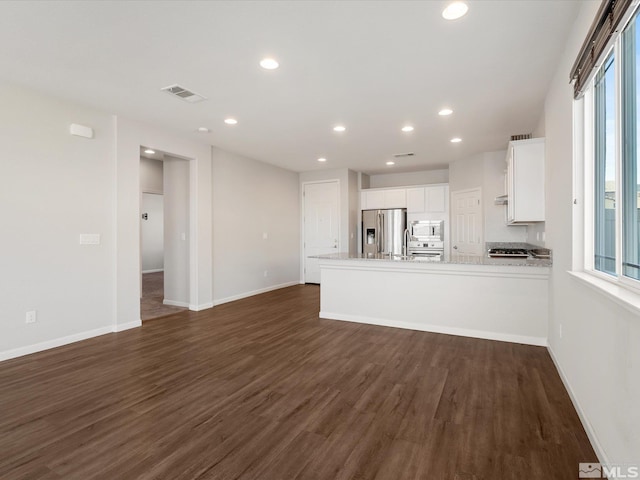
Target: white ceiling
(370,65)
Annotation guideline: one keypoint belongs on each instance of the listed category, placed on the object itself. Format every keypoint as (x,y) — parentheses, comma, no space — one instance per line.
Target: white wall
(486,170)
(251,198)
(424,177)
(151,175)
(495,226)
(354,211)
(598,352)
(53,187)
(176,231)
(467,173)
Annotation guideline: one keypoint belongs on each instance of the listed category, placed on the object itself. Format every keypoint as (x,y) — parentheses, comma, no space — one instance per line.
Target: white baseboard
(202,306)
(252,293)
(593,438)
(59,342)
(121,327)
(56,342)
(175,303)
(463,332)
(153,271)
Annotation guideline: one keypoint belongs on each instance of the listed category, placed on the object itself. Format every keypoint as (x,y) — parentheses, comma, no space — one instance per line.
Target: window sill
(620,295)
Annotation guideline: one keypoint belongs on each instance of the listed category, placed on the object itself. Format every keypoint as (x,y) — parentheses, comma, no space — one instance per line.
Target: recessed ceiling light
(456,140)
(407,128)
(269,64)
(230,121)
(321,159)
(391,163)
(149,151)
(455,10)
(445,112)
(339,128)
(203,130)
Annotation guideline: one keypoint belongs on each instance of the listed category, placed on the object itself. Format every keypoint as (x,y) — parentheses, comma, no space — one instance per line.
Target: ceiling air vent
(183,93)
(402,155)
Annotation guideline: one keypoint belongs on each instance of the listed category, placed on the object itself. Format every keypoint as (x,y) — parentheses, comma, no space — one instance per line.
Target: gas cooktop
(509,252)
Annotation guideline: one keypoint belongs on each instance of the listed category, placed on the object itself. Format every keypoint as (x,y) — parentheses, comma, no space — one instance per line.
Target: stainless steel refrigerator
(383,231)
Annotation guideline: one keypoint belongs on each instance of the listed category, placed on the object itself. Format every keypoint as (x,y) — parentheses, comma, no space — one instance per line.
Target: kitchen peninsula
(476,296)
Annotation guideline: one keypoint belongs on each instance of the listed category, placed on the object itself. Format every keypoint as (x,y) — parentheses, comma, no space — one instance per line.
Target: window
(605,169)
(612,98)
(630,180)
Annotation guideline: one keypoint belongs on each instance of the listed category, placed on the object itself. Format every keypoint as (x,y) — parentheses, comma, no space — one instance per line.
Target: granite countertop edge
(454,260)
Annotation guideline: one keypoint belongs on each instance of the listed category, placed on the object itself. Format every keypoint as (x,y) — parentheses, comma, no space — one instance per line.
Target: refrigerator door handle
(383,240)
(378,231)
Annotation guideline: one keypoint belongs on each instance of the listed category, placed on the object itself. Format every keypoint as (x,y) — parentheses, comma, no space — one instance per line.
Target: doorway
(321,220)
(466,222)
(164,222)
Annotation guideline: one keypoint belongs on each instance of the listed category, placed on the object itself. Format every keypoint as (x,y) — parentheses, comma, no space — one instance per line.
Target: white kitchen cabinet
(396,198)
(427,199)
(371,200)
(436,199)
(416,200)
(525,181)
(390,198)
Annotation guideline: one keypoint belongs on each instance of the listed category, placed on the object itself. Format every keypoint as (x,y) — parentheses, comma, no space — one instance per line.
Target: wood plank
(263,388)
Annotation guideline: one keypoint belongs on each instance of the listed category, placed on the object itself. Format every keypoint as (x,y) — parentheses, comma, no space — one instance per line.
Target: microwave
(427,230)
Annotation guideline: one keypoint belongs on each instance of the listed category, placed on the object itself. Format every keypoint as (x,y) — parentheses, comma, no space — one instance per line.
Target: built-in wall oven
(426,240)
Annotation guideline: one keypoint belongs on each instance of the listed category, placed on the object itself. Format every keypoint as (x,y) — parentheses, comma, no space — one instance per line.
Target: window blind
(602,31)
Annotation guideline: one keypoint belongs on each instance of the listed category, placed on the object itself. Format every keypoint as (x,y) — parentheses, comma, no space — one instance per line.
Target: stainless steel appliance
(431,250)
(508,252)
(426,239)
(497,252)
(383,231)
(427,230)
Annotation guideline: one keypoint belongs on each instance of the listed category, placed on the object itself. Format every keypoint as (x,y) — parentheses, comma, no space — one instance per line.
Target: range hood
(501,199)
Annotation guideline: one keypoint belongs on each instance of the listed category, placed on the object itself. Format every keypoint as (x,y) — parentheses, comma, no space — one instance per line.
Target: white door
(321,225)
(466,222)
(152,233)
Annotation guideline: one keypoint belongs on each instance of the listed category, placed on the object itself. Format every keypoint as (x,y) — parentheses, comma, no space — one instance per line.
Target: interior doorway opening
(164,231)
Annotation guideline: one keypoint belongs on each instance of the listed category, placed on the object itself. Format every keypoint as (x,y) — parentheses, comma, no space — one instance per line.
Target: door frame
(303,185)
(452,207)
(192,263)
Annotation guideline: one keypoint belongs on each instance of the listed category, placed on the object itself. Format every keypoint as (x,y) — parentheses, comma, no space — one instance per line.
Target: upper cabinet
(416,199)
(430,199)
(525,181)
(427,199)
(390,198)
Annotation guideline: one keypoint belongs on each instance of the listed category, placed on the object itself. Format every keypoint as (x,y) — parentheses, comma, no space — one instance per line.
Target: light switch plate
(89,239)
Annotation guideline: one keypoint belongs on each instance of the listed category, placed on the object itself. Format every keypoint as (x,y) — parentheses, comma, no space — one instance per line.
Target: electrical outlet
(32,317)
(266,273)
(560,330)
(265,236)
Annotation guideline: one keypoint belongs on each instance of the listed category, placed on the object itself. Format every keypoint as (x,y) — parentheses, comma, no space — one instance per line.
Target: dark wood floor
(151,305)
(261,389)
